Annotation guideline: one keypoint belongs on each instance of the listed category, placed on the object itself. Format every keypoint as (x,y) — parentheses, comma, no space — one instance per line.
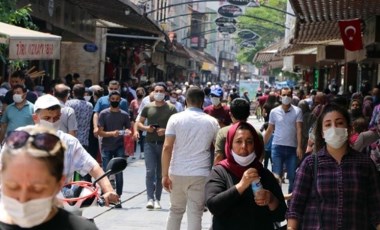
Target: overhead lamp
(127,12)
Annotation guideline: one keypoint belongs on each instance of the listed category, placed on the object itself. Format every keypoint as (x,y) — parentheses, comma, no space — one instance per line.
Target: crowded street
(190,114)
(133,214)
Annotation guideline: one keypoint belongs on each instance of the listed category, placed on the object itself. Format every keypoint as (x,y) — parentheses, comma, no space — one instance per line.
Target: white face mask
(244,161)
(215,100)
(17,98)
(30,213)
(286,100)
(173,100)
(159,96)
(87,98)
(50,125)
(335,137)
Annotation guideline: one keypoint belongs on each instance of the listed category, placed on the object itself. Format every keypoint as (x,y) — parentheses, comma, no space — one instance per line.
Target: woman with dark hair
(271,103)
(229,195)
(336,188)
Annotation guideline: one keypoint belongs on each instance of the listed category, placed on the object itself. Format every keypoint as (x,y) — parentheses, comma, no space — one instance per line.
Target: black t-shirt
(63,220)
(30,96)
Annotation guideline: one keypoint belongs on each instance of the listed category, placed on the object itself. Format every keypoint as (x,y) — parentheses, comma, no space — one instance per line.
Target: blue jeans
(106,157)
(285,154)
(153,179)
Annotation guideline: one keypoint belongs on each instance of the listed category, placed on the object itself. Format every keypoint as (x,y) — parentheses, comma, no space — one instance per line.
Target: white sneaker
(150,204)
(157,204)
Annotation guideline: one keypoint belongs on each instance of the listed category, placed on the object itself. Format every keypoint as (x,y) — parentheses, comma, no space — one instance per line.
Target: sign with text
(223,21)
(249,86)
(246,34)
(227,29)
(30,49)
(230,11)
(90,47)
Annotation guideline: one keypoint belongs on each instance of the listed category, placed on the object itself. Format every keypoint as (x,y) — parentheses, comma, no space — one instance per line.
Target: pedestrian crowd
(198,145)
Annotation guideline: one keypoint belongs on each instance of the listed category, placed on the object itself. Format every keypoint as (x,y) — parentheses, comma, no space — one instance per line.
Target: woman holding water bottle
(240,192)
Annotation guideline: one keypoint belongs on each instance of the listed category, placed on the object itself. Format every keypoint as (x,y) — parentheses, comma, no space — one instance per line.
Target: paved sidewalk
(134,215)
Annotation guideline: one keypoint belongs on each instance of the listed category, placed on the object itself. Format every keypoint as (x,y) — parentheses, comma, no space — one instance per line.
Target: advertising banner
(250,86)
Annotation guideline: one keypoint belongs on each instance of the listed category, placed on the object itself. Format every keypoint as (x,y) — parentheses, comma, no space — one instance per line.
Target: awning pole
(133,36)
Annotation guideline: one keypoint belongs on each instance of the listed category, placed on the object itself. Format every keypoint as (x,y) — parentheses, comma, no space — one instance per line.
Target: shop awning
(317,20)
(27,44)
(201,57)
(267,54)
(122,12)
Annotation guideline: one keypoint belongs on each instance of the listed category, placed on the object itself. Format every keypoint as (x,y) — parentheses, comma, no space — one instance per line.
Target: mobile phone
(155,125)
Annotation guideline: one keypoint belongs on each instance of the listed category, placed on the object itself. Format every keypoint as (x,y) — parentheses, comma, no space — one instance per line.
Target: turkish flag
(351,33)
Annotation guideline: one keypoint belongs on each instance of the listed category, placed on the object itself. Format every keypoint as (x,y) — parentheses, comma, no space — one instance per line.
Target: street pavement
(133,214)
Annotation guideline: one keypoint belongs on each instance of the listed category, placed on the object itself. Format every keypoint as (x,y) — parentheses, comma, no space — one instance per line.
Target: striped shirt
(349,192)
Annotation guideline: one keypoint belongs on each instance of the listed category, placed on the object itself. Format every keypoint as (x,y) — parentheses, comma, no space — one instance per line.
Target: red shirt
(221,114)
(263,99)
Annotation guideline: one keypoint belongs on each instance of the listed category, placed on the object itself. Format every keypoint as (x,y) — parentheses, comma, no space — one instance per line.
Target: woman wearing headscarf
(229,195)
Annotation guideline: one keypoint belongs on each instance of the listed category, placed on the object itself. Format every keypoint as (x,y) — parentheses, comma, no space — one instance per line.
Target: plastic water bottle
(256,186)
(121,132)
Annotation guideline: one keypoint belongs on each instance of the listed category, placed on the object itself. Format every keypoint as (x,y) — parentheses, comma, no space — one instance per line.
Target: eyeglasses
(42,141)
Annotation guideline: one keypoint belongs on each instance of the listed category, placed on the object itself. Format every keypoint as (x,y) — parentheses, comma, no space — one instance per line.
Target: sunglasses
(41,141)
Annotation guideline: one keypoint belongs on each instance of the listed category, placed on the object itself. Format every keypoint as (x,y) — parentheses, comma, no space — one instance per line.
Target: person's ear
(61,183)
(35,118)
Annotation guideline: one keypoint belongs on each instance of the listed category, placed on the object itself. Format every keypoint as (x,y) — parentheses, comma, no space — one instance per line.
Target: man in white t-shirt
(186,160)
(286,122)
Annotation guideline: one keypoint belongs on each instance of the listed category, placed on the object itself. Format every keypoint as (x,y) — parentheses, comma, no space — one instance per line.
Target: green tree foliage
(11,14)
(269,24)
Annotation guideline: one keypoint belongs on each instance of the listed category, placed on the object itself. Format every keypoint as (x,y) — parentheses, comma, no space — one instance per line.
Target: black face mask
(139,96)
(114,104)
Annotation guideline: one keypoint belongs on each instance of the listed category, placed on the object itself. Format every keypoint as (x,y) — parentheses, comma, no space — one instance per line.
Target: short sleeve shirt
(15,117)
(285,131)
(194,133)
(157,115)
(76,157)
(111,121)
(221,114)
(83,115)
(68,119)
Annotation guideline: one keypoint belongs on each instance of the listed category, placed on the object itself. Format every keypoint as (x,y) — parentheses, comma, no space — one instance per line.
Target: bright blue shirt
(15,117)
(104,103)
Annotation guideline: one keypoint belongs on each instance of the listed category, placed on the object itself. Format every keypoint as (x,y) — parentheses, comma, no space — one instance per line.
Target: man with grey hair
(68,121)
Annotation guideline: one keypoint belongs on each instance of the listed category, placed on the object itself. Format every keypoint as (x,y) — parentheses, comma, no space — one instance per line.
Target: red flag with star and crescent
(351,33)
